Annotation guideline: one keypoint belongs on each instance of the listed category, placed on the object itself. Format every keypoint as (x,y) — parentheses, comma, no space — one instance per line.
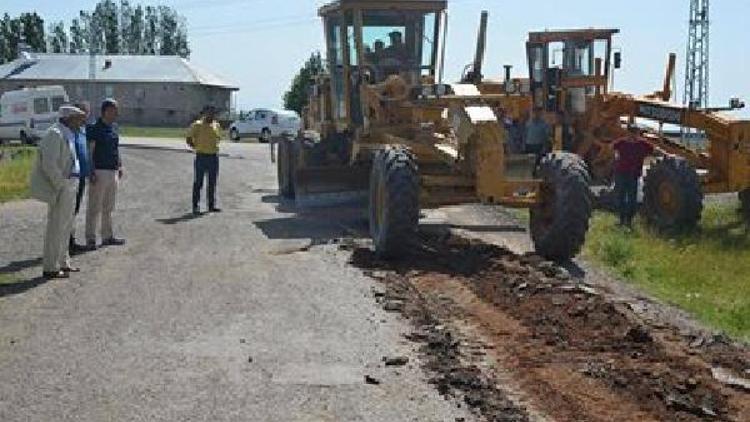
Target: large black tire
(672,195)
(285,169)
(394,201)
(560,223)
(745,204)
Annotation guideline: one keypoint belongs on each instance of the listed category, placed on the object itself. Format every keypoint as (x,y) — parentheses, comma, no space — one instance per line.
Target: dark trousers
(205,165)
(626,186)
(538,150)
(79,199)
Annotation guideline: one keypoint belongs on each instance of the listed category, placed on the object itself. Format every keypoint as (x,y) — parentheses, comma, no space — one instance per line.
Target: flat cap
(70,111)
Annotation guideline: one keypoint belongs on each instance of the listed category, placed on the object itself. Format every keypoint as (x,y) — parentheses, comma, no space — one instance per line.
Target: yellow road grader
(570,74)
(382,122)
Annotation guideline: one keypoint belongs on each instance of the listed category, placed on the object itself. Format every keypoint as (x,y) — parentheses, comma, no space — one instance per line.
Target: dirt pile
(575,353)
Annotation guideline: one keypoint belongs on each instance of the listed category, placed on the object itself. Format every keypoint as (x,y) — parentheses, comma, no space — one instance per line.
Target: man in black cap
(203,137)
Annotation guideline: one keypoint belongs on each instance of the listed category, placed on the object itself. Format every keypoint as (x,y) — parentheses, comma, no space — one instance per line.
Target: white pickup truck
(265,124)
(26,113)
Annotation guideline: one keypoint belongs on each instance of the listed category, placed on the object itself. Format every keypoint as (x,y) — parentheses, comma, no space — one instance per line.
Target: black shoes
(76,249)
(52,275)
(214,209)
(113,241)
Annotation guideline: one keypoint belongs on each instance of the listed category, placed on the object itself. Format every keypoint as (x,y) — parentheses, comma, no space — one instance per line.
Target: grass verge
(15,172)
(706,272)
(153,132)
(158,132)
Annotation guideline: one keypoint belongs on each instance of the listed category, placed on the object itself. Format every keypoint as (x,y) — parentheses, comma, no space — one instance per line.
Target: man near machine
(538,135)
(55,180)
(203,137)
(631,151)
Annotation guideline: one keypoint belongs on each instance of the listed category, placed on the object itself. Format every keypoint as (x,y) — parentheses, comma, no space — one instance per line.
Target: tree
(126,17)
(78,39)
(167,31)
(58,38)
(12,36)
(297,97)
(92,32)
(32,31)
(135,32)
(150,31)
(107,19)
(6,50)
(181,39)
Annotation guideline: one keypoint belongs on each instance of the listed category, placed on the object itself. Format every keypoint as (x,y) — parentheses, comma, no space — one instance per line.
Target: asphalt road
(249,315)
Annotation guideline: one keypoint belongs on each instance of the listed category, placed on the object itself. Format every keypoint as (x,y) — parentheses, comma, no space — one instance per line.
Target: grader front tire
(672,195)
(394,201)
(560,223)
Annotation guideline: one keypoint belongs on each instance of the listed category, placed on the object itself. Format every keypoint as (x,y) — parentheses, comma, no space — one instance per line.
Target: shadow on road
(17,266)
(504,228)
(316,224)
(181,219)
(22,286)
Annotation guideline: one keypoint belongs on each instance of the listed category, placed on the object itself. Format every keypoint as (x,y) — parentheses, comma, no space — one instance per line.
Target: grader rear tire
(672,195)
(745,204)
(284,169)
(559,224)
(394,201)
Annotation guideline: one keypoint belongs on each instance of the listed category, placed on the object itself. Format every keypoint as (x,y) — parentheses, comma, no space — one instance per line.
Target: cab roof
(342,5)
(571,34)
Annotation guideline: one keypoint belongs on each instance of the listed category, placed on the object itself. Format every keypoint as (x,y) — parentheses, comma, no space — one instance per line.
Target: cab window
(41,106)
(57,102)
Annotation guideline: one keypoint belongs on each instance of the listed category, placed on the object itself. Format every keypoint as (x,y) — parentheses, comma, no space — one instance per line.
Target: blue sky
(260,44)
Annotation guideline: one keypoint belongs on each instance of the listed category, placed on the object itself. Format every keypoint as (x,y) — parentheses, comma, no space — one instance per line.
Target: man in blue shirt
(85,170)
(106,171)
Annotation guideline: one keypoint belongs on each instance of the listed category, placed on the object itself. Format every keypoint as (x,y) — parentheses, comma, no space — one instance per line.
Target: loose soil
(515,337)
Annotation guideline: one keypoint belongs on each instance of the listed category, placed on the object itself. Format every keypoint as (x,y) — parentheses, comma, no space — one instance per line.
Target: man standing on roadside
(84,159)
(631,151)
(104,142)
(54,180)
(203,137)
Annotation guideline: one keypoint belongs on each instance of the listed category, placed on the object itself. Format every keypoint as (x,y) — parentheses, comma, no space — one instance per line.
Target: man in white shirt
(54,180)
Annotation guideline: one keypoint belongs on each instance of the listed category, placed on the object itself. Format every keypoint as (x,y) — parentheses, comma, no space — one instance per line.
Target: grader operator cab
(380,122)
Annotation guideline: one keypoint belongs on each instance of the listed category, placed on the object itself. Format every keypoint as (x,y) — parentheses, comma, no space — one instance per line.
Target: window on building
(57,102)
(140,93)
(170,113)
(109,91)
(41,105)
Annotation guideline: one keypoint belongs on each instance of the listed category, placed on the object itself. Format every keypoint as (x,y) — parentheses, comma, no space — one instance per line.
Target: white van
(26,113)
(266,124)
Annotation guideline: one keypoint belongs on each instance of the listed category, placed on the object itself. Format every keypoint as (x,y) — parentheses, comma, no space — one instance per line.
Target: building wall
(141,104)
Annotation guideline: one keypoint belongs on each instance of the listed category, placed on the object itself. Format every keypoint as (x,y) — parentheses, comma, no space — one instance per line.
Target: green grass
(7,279)
(707,273)
(157,132)
(153,132)
(15,172)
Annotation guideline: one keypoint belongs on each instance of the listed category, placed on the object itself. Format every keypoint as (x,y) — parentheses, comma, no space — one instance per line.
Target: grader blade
(331,186)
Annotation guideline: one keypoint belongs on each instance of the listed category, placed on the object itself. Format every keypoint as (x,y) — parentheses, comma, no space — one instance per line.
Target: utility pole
(697,60)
